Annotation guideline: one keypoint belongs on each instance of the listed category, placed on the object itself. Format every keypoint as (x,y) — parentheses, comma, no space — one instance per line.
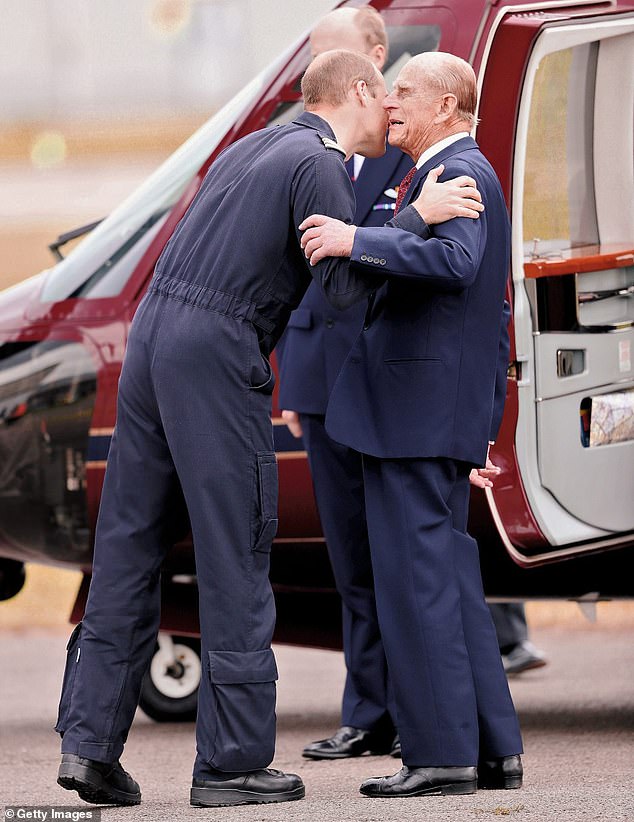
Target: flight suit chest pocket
(265,525)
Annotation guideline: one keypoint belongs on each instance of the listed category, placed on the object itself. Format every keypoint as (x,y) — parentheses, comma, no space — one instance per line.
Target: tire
(170,694)
(12,578)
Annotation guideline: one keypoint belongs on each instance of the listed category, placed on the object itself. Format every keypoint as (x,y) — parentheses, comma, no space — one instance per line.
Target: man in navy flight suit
(310,355)
(194,421)
(416,398)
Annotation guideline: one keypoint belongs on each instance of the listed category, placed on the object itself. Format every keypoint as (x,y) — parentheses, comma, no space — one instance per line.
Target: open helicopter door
(571,185)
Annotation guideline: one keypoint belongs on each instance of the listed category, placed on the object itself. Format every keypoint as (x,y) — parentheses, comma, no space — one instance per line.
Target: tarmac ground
(577,716)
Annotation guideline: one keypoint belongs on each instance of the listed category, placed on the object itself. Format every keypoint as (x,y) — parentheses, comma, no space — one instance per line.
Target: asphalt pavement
(577,716)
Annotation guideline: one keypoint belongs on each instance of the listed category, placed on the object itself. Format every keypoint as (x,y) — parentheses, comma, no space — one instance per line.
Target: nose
(389,102)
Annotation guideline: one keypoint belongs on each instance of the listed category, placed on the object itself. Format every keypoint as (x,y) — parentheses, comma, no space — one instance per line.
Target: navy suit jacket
(318,338)
(420,379)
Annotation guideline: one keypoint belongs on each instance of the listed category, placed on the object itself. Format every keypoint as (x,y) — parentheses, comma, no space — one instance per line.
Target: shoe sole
(508,783)
(220,798)
(92,787)
(451,789)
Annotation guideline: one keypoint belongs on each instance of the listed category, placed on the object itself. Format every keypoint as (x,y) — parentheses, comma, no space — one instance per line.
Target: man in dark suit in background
(310,357)
(416,398)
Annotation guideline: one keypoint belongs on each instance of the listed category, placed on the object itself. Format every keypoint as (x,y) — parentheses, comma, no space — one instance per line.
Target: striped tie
(404,186)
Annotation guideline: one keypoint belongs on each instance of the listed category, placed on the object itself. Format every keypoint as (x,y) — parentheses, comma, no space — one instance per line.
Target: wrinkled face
(411,110)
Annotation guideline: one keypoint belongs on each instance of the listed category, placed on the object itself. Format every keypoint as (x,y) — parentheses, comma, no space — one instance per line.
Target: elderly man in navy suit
(416,398)
(310,356)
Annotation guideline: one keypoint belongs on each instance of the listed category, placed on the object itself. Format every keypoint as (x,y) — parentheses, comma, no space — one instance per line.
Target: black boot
(101,783)
(251,788)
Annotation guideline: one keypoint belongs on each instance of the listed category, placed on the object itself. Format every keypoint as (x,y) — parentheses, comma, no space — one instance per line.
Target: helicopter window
(47,396)
(102,263)
(559,198)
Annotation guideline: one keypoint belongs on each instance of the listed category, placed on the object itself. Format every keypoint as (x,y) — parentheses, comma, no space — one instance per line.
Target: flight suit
(193,422)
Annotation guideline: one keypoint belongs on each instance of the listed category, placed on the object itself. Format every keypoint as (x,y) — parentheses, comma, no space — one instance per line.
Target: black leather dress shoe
(101,783)
(348,741)
(252,788)
(448,781)
(504,773)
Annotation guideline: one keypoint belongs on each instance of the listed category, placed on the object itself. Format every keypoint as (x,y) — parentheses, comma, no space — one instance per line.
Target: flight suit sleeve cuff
(410,220)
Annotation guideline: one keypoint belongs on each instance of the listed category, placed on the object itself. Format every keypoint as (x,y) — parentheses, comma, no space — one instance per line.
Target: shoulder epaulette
(330,143)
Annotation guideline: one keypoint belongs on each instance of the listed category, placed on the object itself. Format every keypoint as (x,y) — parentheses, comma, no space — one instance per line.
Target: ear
(378,55)
(361,92)
(447,106)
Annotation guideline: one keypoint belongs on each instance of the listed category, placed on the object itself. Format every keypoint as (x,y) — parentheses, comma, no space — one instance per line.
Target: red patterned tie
(402,189)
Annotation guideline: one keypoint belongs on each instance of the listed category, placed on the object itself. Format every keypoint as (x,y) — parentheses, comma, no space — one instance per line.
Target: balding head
(444,73)
(434,97)
(331,76)
(361,30)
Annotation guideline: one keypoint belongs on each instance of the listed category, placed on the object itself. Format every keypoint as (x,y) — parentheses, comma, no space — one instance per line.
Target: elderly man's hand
(482,477)
(326,237)
(439,202)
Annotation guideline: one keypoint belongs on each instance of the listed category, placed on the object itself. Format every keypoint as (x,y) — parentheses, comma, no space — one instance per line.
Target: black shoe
(396,747)
(348,741)
(101,783)
(448,781)
(252,788)
(504,773)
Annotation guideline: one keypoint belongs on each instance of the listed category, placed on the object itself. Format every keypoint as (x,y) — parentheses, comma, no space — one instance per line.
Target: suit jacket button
(330,323)
(364,258)
(382,261)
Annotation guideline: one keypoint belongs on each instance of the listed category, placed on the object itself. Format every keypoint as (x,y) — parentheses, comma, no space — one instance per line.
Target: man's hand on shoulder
(326,237)
(439,202)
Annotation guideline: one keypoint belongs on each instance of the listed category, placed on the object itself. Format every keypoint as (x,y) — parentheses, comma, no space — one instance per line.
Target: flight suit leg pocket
(73,652)
(266,509)
(243,709)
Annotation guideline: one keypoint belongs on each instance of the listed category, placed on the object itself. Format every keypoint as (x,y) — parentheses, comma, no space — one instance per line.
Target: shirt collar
(439,146)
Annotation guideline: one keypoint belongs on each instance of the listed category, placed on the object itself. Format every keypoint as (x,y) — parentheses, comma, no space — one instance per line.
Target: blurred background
(93,97)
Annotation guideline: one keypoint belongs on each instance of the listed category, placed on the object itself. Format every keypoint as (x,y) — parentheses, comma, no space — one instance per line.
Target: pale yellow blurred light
(168,18)
(48,149)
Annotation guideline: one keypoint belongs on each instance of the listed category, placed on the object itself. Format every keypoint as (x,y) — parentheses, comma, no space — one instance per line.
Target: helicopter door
(573,273)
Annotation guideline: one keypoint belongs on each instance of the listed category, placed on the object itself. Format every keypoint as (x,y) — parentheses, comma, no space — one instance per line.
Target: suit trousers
(509,619)
(337,475)
(193,422)
(452,698)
